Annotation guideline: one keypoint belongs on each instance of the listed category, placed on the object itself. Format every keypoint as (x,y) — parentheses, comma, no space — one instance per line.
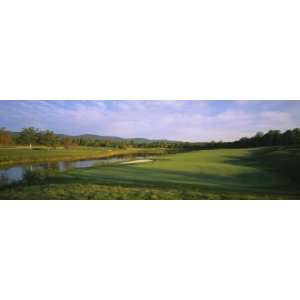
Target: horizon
(136,138)
(175,120)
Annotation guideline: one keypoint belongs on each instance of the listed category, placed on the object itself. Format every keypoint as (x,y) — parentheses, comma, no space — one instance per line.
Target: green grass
(98,191)
(15,156)
(262,173)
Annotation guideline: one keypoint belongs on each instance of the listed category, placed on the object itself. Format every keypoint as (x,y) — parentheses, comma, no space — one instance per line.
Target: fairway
(226,169)
(269,172)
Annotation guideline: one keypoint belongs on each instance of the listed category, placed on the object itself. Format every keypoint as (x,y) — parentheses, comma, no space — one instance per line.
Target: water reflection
(15,174)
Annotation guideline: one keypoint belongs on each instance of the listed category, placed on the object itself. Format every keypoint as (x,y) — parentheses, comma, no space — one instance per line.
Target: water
(16,173)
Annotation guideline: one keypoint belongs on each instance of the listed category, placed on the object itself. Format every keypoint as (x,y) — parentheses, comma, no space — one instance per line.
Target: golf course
(149,150)
(248,173)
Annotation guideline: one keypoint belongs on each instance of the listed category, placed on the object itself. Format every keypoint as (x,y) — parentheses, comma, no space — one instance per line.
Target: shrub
(35,176)
(3,180)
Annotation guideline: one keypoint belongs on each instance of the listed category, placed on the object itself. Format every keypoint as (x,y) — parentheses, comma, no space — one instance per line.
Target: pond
(16,173)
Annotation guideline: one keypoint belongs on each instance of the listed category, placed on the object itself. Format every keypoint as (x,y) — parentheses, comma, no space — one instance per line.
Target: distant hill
(116,138)
(104,137)
(91,137)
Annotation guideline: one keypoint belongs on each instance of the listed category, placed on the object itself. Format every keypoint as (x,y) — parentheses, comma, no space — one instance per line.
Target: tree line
(33,136)
(271,138)
(29,136)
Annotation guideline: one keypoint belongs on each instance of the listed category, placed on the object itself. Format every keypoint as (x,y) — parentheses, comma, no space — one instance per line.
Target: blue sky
(176,120)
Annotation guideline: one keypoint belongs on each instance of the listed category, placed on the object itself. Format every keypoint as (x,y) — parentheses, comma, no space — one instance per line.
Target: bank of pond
(19,173)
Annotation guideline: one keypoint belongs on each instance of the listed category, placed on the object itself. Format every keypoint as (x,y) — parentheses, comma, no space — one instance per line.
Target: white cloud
(177,120)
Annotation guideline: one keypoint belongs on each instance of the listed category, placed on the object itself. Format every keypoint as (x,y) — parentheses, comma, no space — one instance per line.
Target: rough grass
(107,192)
(261,173)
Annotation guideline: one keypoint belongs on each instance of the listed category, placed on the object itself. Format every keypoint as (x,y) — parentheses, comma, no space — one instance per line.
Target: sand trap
(136,161)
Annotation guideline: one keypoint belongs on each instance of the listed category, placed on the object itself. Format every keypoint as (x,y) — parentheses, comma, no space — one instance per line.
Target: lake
(16,173)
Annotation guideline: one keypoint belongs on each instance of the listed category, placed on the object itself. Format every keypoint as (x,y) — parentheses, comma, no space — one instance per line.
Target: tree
(47,138)
(131,144)
(257,139)
(276,137)
(288,137)
(122,145)
(244,142)
(29,136)
(259,134)
(5,137)
(296,132)
(272,138)
(67,142)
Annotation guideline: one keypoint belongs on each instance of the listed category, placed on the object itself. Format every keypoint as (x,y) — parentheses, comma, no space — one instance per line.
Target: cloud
(177,120)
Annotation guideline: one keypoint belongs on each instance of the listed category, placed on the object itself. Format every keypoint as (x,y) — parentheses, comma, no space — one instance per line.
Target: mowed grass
(261,173)
(15,156)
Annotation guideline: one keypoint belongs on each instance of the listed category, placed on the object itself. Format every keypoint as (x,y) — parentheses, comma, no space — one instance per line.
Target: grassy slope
(211,174)
(23,156)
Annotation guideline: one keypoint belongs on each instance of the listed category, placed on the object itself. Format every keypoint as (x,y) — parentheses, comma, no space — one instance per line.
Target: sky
(173,120)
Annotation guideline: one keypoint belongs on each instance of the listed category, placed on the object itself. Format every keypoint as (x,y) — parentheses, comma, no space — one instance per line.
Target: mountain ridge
(88,136)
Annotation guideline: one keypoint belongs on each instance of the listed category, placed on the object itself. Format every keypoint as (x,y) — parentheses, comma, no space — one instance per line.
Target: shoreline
(111,154)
